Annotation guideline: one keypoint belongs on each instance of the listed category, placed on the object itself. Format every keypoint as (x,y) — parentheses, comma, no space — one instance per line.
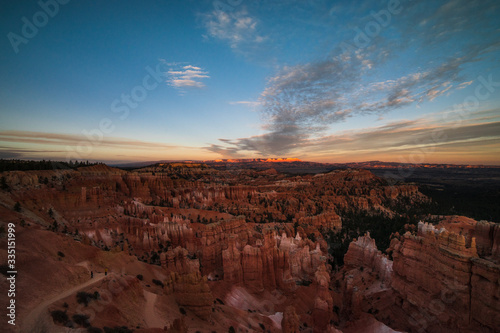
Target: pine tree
(3,183)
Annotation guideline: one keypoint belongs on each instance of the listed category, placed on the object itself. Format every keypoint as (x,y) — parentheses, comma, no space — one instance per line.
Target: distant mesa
(243,160)
(304,166)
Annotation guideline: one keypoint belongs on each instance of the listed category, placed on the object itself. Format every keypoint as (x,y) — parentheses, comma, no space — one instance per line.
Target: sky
(328,81)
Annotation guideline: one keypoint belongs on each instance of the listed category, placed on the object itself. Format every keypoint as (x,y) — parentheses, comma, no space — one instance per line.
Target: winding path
(151,317)
(39,320)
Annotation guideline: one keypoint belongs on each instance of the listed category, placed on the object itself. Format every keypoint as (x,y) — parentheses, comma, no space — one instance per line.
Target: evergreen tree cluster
(24,165)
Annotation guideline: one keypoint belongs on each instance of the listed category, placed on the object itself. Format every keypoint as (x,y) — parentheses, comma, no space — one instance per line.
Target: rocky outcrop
(441,282)
(323,302)
(231,263)
(487,236)
(328,221)
(363,252)
(192,292)
(485,293)
(430,265)
(364,283)
(178,326)
(437,282)
(213,238)
(275,262)
(145,236)
(177,260)
(290,322)
(252,267)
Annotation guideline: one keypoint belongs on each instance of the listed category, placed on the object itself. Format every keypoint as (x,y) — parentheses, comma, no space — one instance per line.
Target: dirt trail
(151,317)
(38,319)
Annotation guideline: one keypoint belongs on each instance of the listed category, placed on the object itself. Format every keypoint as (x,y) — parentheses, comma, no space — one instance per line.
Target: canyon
(206,247)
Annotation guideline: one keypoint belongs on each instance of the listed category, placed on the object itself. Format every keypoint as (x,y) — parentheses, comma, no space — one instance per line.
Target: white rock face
(424,228)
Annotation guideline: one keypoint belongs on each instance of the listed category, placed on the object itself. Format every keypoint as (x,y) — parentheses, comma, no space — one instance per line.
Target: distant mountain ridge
(287,164)
(284,164)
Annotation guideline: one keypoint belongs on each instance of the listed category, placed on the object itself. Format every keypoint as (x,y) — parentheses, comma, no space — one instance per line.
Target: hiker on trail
(91,274)
(106,271)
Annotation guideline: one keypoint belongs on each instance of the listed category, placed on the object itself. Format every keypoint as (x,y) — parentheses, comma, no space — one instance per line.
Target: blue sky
(118,81)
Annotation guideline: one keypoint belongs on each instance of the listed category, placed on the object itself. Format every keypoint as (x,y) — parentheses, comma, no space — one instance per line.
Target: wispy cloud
(235,27)
(37,145)
(11,152)
(301,102)
(246,103)
(73,139)
(425,138)
(183,76)
(464,84)
(451,20)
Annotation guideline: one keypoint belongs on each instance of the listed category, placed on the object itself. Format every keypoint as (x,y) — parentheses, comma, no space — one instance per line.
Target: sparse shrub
(65,305)
(3,183)
(117,329)
(59,316)
(262,326)
(155,258)
(182,311)
(84,298)
(60,254)
(158,282)
(23,223)
(140,277)
(81,319)
(4,269)
(304,283)
(17,207)
(91,329)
